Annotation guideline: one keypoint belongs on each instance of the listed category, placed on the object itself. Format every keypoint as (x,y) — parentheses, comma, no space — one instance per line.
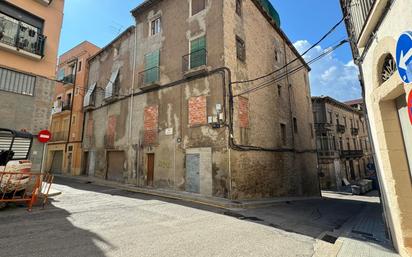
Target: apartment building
(64,154)
(344,150)
(29,40)
(374,26)
(169,105)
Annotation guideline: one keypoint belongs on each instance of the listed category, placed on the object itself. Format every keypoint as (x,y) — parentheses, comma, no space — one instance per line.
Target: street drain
(329,239)
(253,218)
(234,215)
(241,217)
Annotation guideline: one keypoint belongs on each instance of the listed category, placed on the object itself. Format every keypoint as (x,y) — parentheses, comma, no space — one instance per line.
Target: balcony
(323,127)
(194,63)
(355,131)
(360,10)
(340,128)
(328,154)
(21,37)
(69,79)
(351,154)
(59,136)
(149,78)
(67,107)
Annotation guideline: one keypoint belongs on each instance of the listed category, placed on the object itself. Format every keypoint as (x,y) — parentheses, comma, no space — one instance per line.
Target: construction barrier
(24,187)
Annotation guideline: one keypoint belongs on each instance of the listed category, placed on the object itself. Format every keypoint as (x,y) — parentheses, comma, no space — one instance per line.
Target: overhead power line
(297,58)
(298,68)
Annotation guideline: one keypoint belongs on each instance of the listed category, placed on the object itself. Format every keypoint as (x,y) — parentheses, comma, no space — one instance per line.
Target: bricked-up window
(243,112)
(283,133)
(198,6)
(295,125)
(240,49)
(151,114)
(239,7)
(197,111)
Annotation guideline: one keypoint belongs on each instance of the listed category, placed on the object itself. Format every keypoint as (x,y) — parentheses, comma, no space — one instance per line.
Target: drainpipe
(72,102)
(132,97)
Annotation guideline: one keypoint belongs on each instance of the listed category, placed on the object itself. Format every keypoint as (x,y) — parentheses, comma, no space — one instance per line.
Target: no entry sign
(44,136)
(410,106)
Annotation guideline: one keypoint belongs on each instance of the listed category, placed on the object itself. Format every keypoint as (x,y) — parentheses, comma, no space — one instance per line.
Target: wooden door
(150,168)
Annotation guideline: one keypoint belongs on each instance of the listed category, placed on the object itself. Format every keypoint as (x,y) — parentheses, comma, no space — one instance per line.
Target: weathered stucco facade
(342,140)
(178,121)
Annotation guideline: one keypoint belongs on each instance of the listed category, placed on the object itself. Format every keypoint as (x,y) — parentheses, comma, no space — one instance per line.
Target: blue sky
(304,21)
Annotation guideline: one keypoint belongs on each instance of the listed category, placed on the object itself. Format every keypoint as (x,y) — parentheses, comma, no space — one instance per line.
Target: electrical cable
(296,69)
(298,57)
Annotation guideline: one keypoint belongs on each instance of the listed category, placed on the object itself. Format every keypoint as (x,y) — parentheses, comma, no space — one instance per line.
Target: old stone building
(64,153)
(342,140)
(29,40)
(374,27)
(171,105)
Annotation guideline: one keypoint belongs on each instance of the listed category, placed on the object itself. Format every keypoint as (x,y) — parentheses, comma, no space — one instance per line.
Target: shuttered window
(198,52)
(111,89)
(152,67)
(198,6)
(17,82)
(89,97)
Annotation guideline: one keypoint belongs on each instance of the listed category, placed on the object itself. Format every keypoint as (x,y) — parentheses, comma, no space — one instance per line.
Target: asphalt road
(91,220)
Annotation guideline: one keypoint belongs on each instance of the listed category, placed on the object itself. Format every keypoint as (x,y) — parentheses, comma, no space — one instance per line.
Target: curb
(188,197)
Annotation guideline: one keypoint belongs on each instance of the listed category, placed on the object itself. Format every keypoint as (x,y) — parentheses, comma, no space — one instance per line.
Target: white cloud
(330,76)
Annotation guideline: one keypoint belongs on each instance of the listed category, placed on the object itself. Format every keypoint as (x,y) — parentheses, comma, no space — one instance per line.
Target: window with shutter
(89,97)
(111,89)
(152,61)
(198,52)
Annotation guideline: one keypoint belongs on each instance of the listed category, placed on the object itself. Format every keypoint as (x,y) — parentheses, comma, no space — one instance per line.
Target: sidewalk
(367,237)
(189,197)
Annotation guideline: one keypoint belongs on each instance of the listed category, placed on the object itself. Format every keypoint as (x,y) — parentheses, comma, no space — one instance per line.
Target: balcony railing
(69,79)
(359,10)
(340,128)
(21,36)
(355,131)
(67,107)
(323,127)
(59,136)
(351,153)
(149,77)
(327,154)
(194,60)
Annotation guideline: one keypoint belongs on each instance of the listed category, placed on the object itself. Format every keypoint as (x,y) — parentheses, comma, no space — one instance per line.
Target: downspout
(132,102)
(72,102)
(289,96)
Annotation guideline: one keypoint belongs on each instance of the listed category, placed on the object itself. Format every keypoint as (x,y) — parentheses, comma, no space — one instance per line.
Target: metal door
(192,173)
(115,166)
